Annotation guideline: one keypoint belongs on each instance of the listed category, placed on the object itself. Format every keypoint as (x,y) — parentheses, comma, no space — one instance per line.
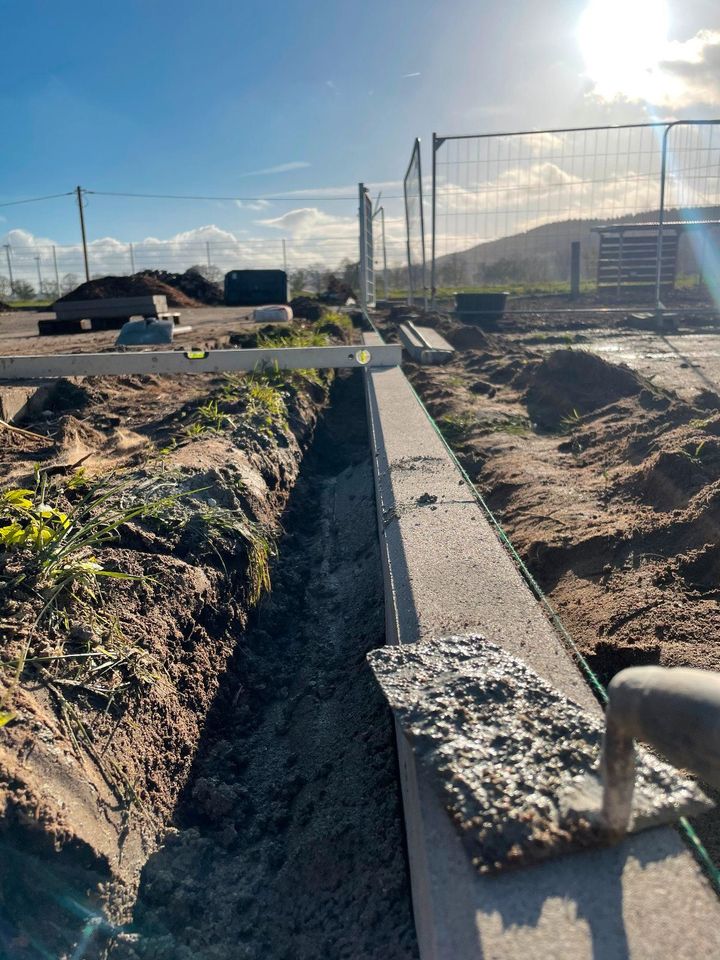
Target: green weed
(457,426)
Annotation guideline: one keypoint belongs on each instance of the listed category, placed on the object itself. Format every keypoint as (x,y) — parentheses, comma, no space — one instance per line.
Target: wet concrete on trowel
(506,751)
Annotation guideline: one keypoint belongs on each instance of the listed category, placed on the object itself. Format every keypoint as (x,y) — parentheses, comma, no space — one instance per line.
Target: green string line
(686,829)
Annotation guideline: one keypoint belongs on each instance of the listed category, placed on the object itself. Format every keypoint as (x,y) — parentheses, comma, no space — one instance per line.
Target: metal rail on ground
(198,361)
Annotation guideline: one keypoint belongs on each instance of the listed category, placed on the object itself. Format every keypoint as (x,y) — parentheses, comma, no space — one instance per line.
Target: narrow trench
(289,840)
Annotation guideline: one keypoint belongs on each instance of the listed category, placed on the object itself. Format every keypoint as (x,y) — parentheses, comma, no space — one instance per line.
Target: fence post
(661,219)
(410,296)
(422,225)
(436,142)
(575,269)
(367,283)
(57,275)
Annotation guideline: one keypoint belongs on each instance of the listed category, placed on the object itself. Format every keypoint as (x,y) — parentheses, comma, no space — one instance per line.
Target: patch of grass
(261,397)
(209,521)
(341,320)
(48,538)
(570,421)
(515,426)
(457,426)
(301,337)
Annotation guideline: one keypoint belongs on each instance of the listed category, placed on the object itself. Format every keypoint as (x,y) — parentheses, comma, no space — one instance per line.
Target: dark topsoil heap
(189,289)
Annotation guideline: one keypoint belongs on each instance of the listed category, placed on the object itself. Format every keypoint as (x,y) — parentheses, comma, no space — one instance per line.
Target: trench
(288,839)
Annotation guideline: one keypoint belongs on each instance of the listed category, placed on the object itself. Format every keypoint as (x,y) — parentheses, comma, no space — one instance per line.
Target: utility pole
(40,280)
(9,263)
(57,275)
(207,247)
(284,246)
(132,258)
(79,192)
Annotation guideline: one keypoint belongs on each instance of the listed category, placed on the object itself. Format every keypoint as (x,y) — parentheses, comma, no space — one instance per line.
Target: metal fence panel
(367,252)
(415,226)
(690,200)
(507,207)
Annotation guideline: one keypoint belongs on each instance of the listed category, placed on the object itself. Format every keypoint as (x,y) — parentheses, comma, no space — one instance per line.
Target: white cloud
(681,74)
(407,76)
(253,204)
(312,222)
(278,168)
(310,239)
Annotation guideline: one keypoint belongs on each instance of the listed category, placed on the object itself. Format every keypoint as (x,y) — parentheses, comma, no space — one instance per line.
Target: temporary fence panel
(690,201)
(507,207)
(380,215)
(367,253)
(415,226)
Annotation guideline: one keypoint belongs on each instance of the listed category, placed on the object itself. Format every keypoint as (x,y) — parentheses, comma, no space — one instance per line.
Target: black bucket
(483,309)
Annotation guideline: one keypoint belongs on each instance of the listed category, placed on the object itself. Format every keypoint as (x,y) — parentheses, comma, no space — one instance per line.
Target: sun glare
(623,43)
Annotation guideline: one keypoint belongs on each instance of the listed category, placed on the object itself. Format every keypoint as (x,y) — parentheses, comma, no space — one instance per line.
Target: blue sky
(180,97)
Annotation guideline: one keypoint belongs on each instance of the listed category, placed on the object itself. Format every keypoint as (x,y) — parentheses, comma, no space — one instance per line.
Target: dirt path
(289,840)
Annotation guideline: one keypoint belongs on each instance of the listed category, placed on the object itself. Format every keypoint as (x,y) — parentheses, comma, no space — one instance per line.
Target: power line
(173,196)
(52,196)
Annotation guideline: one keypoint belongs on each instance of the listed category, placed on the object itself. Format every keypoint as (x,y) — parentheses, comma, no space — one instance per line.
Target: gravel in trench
(290,841)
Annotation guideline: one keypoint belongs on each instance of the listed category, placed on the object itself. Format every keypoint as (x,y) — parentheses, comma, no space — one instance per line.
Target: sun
(623,43)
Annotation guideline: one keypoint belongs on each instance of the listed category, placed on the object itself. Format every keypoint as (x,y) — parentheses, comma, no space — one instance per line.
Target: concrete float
(446,573)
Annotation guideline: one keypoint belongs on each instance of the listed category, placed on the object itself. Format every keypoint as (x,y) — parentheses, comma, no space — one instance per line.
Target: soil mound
(307,307)
(673,475)
(192,283)
(138,285)
(570,382)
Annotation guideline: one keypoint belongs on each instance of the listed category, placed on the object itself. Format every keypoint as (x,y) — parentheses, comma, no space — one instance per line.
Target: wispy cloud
(278,168)
(253,204)
(330,193)
(406,76)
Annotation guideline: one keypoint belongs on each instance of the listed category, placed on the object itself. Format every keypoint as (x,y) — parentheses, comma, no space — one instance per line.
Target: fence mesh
(508,206)
(415,225)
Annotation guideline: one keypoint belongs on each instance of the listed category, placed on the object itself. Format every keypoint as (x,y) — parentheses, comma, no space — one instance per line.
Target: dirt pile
(191,283)
(137,285)
(570,383)
(307,308)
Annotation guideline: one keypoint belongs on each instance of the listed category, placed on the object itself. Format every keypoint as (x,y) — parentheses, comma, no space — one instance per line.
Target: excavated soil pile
(608,487)
(571,383)
(138,285)
(193,284)
(107,677)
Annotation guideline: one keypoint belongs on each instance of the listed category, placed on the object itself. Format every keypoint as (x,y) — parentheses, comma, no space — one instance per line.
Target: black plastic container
(483,309)
(255,288)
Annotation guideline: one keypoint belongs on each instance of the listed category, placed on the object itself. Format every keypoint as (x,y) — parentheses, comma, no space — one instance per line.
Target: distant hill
(543,253)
